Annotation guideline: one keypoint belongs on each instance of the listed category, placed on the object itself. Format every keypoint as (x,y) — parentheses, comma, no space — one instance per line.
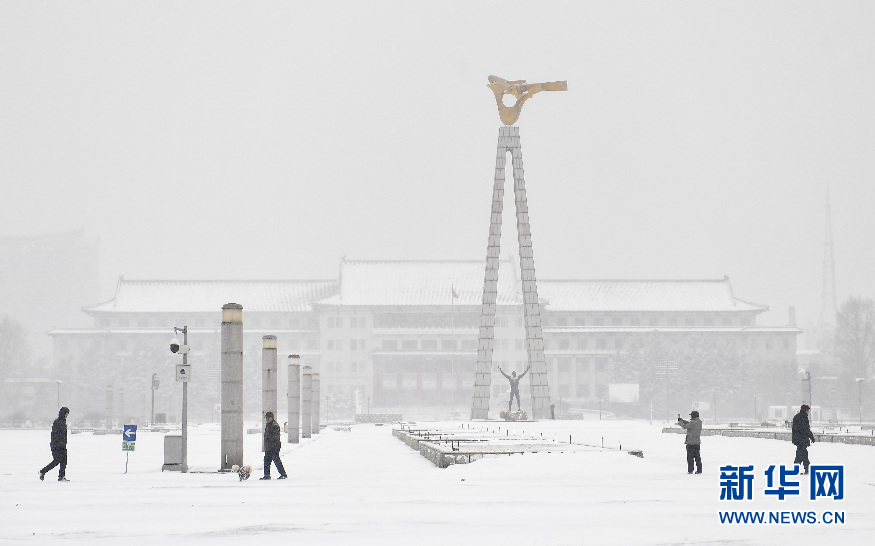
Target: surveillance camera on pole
(177,348)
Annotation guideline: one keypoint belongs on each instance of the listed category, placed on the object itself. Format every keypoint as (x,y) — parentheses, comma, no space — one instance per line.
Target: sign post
(129,442)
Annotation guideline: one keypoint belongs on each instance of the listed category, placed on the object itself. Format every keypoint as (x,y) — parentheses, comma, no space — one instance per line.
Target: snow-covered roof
(643,295)
(418,283)
(148,296)
(422,283)
(415,283)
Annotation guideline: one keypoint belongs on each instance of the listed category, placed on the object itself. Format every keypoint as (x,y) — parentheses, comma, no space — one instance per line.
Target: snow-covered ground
(366,487)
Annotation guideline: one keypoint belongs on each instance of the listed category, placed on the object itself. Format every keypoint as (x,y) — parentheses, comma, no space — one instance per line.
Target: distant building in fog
(404,333)
(47,280)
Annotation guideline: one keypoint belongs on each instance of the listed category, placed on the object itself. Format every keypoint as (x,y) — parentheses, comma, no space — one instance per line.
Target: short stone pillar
(232,386)
(268,380)
(294,399)
(306,401)
(109,393)
(315,417)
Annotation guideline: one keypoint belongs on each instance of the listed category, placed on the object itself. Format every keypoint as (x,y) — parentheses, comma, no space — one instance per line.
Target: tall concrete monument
(306,401)
(509,141)
(232,386)
(294,399)
(268,378)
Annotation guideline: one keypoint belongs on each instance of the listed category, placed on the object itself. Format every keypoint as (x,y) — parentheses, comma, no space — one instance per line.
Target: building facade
(401,334)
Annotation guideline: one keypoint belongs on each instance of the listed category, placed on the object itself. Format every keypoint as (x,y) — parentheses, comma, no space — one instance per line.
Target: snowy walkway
(367,487)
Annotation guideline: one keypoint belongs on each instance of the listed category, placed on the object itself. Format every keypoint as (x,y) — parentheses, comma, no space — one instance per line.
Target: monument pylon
(509,141)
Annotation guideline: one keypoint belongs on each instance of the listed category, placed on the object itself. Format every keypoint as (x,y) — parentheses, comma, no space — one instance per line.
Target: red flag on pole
(455,296)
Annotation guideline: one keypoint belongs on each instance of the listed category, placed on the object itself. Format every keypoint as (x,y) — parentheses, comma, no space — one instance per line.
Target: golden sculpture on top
(522,91)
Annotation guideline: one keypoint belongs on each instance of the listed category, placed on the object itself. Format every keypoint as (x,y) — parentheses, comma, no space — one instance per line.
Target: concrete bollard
(294,399)
(314,418)
(268,380)
(306,401)
(232,386)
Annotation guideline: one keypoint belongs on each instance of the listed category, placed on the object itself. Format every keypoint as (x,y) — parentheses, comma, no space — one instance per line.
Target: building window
(672,322)
(616,321)
(582,365)
(564,365)
(600,343)
(353,367)
(408,345)
(727,321)
(103,323)
(123,323)
(329,344)
(690,321)
(564,344)
(619,344)
(353,344)
(708,321)
(653,321)
(561,321)
(390,345)
(329,322)
(599,321)
(448,345)
(580,321)
(635,321)
(582,344)
(429,345)
(143,323)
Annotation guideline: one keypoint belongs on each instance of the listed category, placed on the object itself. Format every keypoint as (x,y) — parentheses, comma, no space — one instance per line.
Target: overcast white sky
(267,139)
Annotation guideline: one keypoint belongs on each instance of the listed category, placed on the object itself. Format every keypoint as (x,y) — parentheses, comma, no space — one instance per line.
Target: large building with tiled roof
(404,333)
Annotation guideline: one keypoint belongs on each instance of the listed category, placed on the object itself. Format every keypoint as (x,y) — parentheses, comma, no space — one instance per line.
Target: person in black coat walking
(801,436)
(59,446)
(272,445)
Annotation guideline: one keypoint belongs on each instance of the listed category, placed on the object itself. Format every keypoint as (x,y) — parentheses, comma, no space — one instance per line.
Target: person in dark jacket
(272,445)
(59,446)
(801,436)
(693,441)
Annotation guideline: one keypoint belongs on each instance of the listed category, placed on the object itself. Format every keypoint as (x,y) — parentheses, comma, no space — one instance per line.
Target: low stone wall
(377,417)
(778,435)
(444,449)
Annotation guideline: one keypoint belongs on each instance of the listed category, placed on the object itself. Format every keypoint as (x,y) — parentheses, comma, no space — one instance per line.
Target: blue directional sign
(130,433)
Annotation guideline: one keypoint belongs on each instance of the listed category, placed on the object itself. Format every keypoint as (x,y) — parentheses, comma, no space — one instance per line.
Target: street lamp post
(859,381)
(58,383)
